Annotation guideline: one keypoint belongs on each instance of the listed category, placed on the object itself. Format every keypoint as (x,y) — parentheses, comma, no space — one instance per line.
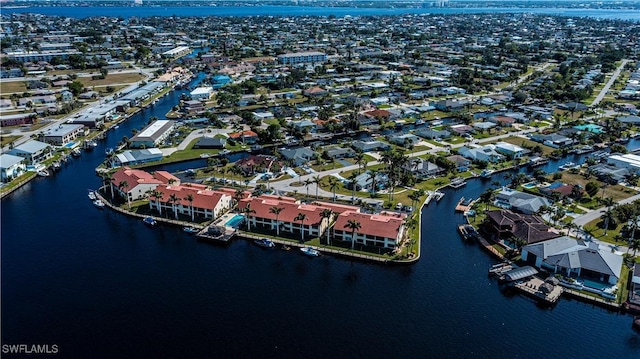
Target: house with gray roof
(519,201)
(340,152)
(609,172)
(368,146)
(404,138)
(510,150)
(575,258)
(486,153)
(33,151)
(552,140)
(433,134)
(11,167)
(422,168)
(133,157)
(299,155)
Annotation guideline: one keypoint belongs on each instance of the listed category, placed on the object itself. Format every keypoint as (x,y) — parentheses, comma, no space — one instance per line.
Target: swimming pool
(235,221)
(530,185)
(594,284)
(69,145)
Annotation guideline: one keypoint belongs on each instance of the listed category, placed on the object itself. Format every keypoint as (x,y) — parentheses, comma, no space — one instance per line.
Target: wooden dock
(461,207)
(533,288)
(216,233)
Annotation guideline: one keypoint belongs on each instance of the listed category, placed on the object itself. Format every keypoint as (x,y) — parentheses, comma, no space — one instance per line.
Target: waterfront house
(552,140)
(520,201)
(32,151)
(191,199)
(153,134)
(138,182)
(609,173)
(422,168)
(510,150)
(211,142)
(404,139)
(368,146)
(462,164)
(506,224)
(64,134)
(433,134)
(340,152)
(384,229)
(298,155)
(263,218)
(248,137)
(485,153)
(134,157)
(11,167)
(634,293)
(575,258)
(201,93)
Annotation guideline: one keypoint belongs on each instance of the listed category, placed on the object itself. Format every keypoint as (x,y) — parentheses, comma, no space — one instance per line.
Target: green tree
(592,188)
(354,226)
(76,88)
(276,210)
(301,217)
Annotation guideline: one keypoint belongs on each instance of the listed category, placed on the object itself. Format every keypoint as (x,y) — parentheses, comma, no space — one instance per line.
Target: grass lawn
(616,192)
(111,79)
(519,141)
(5,140)
(11,185)
(8,87)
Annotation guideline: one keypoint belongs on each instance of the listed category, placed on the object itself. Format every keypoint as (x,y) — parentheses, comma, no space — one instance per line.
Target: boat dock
(216,233)
(463,206)
(540,290)
(467,232)
(457,182)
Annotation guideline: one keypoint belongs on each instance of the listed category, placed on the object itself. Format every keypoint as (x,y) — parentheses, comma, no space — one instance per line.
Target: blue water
(269,10)
(235,221)
(103,285)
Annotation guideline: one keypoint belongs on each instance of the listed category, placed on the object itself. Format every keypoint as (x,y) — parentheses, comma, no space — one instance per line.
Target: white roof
(7,160)
(153,128)
(202,90)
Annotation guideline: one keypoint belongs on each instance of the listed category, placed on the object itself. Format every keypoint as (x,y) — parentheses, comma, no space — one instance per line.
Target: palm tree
(158,198)
(189,198)
(125,185)
(354,226)
(415,197)
(372,176)
(634,245)
(308,183)
(359,157)
(608,217)
(487,197)
(247,212)
(316,181)
(173,198)
(333,186)
(276,210)
(301,217)
(238,196)
(327,214)
(353,183)
(411,224)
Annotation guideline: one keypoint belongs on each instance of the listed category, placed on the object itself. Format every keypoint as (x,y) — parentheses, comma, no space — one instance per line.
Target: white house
(11,167)
(33,151)
(201,93)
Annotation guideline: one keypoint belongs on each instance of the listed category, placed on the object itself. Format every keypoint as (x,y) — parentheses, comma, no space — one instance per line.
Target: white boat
(486,173)
(149,221)
(99,204)
(92,195)
(457,182)
(439,195)
(264,242)
(205,155)
(309,251)
(190,230)
(419,122)
(43,173)
(567,165)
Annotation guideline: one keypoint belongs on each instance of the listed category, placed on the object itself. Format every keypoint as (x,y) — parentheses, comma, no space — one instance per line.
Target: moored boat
(99,204)
(486,173)
(439,195)
(43,173)
(264,242)
(149,221)
(190,230)
(92,195)
(309,251)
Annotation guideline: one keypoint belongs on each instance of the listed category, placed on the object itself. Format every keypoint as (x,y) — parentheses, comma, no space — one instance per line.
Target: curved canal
(100,284)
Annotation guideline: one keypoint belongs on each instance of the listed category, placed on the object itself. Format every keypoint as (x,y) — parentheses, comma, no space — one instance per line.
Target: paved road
(606,87)
(590,216)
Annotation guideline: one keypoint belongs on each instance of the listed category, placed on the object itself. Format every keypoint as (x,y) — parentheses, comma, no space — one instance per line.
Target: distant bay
(146,11)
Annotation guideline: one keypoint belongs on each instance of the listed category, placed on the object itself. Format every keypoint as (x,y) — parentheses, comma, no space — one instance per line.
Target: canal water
(100,284)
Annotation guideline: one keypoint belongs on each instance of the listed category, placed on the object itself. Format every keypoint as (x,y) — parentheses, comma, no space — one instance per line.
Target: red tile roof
(134,177)
(385,225)
(378,113)
(202,197)
(290,210)
(247,133)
